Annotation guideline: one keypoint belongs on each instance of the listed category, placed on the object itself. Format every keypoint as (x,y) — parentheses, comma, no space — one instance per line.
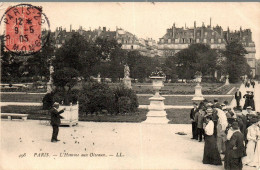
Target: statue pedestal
(127,82)
(49,87)
(227,81)
(198,94)
(156,113)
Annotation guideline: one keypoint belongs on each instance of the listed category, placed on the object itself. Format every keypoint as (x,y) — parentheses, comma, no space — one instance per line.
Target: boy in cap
(55,121)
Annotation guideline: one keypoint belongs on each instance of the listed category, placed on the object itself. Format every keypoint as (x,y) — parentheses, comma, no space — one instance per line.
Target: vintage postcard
(130,85)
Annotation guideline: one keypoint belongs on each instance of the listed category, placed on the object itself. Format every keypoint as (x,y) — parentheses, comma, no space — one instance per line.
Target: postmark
(27,29)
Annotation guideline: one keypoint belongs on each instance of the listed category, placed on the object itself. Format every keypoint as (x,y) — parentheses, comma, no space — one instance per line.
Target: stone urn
(198,89)
(157,113)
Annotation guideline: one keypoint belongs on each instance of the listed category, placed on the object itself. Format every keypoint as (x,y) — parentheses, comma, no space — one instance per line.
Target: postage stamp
(26,29)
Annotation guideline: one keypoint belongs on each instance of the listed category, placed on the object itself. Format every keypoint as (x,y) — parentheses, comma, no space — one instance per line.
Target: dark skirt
(211,154)
(232,163)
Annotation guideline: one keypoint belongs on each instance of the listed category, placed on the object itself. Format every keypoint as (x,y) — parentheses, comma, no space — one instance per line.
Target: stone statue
(126,71)
(51,69)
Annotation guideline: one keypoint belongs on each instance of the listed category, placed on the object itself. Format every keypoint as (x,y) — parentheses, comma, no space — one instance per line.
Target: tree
(197,57)
(78,54)
(169,67)
(140,66)
(38,64)
(66,77)
(237,65)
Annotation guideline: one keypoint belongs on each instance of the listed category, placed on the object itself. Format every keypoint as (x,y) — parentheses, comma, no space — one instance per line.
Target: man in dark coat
(238,96)
(247,100)
(55,121)
(216,104)
(235,149)
(193,122)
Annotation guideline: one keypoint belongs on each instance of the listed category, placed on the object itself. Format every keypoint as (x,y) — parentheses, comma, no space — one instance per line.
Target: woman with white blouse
(211,154)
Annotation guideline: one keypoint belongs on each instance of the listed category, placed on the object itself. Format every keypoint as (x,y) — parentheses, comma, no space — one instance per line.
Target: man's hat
(223,104)
(209,110)
(254,119)
(235,126)
(215,100)
(249,107)
(56,104)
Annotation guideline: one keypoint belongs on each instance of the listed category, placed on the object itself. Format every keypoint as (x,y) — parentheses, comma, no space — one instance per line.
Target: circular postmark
(27,29)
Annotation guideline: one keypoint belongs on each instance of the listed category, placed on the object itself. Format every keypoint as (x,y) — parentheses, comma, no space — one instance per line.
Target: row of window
(190,40)
(191,33)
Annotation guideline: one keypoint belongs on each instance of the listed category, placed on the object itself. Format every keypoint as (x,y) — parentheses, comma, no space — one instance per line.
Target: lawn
(36,113)
(180,100)
(143,100)
(176,116)
(35,98)
(182,88)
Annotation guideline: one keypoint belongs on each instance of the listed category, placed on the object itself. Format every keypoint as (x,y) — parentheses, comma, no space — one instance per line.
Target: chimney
(104,29)
(173,30)
(70,27)
(228,33)
(185,25)
(210,22)
(194,24)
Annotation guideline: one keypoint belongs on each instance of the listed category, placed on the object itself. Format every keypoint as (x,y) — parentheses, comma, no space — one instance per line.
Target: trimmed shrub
(96,97)
(72,96)
(125,100)
(47,101)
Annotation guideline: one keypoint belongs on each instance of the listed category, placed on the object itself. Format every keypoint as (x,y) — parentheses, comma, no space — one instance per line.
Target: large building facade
(128,41)
(177,39)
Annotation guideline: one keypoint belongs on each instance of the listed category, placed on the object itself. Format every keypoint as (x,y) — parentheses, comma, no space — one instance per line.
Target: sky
(150,20)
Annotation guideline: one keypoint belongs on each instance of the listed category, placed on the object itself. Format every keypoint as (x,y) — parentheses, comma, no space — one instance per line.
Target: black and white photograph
(130,85)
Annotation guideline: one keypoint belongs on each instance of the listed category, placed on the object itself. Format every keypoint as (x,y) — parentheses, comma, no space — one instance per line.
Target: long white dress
(250,150)
(256,157)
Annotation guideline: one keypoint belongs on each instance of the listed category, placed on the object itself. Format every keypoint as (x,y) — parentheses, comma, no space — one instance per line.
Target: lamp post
(198,89)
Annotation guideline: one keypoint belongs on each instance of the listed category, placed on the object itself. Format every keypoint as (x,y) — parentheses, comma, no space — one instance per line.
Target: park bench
(10,115)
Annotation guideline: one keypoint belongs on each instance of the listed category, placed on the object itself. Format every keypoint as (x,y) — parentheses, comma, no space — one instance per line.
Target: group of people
(249,99)
(249,82)
(235,134)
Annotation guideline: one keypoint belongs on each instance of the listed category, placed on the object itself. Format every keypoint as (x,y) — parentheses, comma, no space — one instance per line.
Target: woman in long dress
(252,135)
(211,154)
(221,127)
(256,156)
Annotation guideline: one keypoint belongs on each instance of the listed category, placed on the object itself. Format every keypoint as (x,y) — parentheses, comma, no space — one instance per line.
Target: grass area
(178,116)
(35,98)
(36,113)
(182,88)
(180,100)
